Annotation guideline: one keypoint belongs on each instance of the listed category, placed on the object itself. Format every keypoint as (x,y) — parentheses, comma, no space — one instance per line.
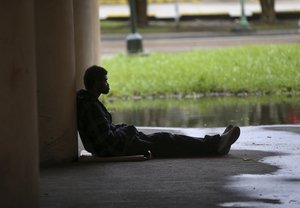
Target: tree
(141,13)
(268,13)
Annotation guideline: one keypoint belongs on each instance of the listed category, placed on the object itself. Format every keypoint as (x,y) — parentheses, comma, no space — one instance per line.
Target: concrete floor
(260,171)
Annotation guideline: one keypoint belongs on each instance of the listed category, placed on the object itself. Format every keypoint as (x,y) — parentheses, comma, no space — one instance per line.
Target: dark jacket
(98,134)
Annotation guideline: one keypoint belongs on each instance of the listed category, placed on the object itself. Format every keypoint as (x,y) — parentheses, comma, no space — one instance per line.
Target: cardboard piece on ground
(88,157)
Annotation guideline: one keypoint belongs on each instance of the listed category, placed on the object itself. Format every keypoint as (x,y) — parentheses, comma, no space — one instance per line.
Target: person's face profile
(103,85)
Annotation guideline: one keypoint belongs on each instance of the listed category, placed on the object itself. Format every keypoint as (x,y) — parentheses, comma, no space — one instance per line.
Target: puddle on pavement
(207,111)
(278,189)
(263,203)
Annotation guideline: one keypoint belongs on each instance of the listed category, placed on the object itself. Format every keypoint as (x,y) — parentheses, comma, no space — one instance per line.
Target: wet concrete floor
(260,171)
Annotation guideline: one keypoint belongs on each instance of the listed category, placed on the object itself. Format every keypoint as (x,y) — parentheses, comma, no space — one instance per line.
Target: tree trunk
(268,13)
(141,13)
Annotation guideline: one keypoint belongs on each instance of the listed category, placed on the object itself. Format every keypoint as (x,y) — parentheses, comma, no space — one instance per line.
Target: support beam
(56,80)
(87,37)
(18,115)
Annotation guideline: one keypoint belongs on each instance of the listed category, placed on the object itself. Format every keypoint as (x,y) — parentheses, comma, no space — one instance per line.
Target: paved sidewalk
(260,171)
(209,7)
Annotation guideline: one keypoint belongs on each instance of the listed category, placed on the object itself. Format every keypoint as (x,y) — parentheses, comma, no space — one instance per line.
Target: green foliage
(266,69)
(123,27)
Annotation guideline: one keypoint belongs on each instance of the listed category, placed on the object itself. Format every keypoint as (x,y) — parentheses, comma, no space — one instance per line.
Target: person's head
(95,80)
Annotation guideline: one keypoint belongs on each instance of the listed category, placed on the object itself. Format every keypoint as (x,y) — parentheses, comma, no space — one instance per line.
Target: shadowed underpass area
(187,182)
(46,48)
(258,172)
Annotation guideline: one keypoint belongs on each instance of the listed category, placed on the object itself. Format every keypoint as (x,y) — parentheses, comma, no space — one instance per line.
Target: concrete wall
(38,86)
(87,36)
(56,80)
(68,40)
(18,108)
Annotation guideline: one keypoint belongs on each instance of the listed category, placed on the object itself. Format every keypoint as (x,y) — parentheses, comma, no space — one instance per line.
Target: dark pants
(164,145)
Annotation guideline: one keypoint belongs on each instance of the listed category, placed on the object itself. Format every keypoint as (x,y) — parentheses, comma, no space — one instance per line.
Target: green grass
(266,69)
(123,27)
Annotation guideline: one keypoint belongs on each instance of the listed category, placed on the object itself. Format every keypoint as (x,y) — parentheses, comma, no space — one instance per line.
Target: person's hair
(93,74)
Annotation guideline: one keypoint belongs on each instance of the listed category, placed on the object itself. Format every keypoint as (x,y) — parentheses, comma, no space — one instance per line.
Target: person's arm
(120,125)
(103,131)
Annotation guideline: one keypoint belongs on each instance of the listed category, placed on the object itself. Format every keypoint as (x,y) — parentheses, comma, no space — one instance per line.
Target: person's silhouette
(103,138)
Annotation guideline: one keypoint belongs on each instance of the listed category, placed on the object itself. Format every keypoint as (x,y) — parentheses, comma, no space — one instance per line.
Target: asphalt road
(113,44)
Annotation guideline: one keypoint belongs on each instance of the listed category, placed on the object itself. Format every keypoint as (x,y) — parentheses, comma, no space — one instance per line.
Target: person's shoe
(227,129)
(148,155)
(227,140)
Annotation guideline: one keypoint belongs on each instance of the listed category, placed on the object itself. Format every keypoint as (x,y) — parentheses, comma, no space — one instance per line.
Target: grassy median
(264,69)
(225,25)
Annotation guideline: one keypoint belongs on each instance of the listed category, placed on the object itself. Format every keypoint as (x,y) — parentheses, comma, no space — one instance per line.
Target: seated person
(103,138)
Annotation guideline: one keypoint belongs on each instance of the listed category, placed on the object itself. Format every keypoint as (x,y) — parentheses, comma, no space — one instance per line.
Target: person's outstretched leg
(164,144)
(174,145)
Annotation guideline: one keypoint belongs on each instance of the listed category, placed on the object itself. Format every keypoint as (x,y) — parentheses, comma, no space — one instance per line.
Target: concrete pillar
(87,36)
(18,114)
(56,80)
